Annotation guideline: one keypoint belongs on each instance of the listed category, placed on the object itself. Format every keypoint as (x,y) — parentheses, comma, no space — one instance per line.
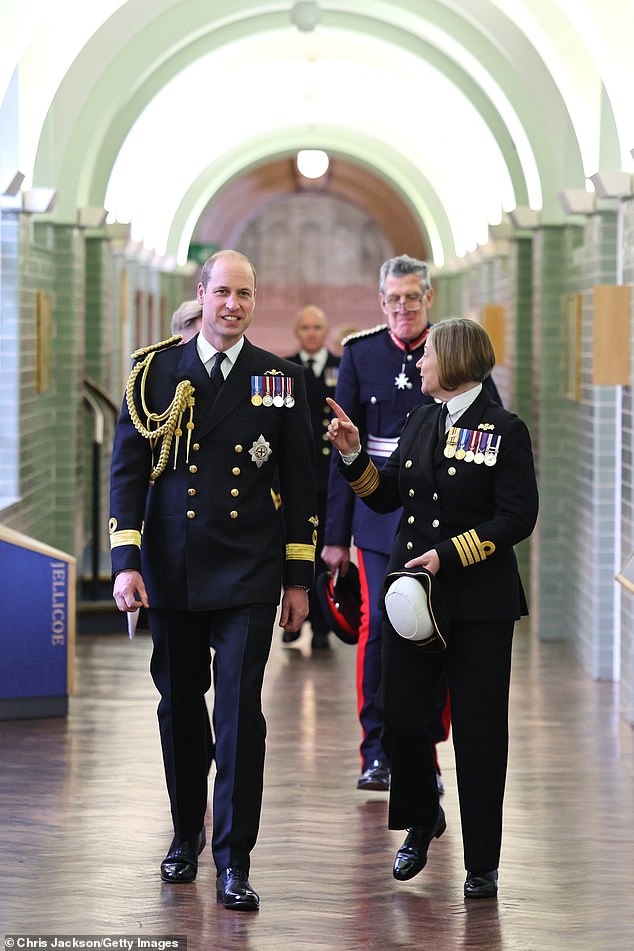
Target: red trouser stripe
(364,633)
(443,716)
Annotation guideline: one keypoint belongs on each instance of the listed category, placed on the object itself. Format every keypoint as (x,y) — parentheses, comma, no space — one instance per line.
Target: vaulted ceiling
(465,109)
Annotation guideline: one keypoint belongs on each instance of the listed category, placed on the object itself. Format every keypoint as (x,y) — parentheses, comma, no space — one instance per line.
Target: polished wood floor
(84,819)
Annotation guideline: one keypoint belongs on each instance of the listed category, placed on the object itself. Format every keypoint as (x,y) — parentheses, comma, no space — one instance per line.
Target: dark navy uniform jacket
(317,389)
(471,514)
(206,534)
(367,391)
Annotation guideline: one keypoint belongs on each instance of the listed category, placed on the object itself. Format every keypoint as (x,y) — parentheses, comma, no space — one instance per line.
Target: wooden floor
(84,819)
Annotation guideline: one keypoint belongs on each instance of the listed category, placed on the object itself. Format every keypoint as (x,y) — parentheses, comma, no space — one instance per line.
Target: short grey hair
(402,265)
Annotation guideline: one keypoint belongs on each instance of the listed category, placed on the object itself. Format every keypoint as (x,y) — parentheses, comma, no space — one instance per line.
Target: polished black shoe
(375,776)
(181,862)
(319,640)
(289,636)
(411,858)
(439,784)
(481,884)
(234,891)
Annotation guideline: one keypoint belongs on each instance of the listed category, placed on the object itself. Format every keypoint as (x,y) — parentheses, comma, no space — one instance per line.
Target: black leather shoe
(234,891)
(481,884)
(181,862)
(376,776)
(411,858)
(319,640)
(289,636)
(440,785)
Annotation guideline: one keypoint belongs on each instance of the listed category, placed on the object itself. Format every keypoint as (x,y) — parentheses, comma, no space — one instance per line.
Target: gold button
(451,470)
(325,450)
(411,493)
(324,436)
(193,469)
(196,446)
(238,448)
(235,471)
(191,514)
(435,496)
(235,493)
(435,523)
(411,520)
(409,546)
(325,422)
(191,492)
(408,464)
(233,514)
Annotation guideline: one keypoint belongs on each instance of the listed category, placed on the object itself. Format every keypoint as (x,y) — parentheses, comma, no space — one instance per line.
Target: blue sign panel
(34,624)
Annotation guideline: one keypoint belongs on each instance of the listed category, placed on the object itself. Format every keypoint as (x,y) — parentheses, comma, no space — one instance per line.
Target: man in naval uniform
(321,370)
(205,429)
(378,386)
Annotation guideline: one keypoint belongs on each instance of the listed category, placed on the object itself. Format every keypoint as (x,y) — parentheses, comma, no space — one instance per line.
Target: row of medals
(472,446)
(278,391)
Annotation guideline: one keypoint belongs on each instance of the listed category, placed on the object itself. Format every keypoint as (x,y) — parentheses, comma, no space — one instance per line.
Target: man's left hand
(294,609)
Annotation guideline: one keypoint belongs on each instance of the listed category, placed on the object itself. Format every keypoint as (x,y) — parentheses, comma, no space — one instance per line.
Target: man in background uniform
(321,368)
(378,386)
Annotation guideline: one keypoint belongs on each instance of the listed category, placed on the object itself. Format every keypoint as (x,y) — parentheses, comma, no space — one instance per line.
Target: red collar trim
(411,344)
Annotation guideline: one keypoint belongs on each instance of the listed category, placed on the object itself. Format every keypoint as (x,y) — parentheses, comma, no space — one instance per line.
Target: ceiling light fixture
(306,16)
(312,163)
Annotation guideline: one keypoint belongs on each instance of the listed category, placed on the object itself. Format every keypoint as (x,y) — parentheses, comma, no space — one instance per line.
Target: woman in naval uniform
(463,473)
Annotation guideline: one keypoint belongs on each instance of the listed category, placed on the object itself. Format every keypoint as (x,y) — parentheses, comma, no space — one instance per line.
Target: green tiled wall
(626,628)
(581,466)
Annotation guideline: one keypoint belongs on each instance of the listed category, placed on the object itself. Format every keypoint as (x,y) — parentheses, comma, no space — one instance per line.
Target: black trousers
(477,664)
(180,666)
(318,623)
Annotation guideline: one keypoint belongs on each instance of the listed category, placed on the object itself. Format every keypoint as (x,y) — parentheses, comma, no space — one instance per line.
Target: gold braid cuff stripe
(471,549)
(368,482)
(299,552)
(168,423)
(125,538)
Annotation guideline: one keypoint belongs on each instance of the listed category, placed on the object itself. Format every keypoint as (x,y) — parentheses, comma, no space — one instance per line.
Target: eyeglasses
(409,301)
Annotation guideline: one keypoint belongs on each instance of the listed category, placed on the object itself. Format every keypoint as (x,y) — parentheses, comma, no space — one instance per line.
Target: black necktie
(217,379)
(310,366)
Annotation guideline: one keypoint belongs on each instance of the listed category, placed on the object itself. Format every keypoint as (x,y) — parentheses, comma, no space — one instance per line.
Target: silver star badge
(260,451)
(401,382)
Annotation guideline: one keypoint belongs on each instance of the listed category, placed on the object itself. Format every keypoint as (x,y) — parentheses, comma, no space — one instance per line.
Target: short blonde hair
(464,352)
(189,310)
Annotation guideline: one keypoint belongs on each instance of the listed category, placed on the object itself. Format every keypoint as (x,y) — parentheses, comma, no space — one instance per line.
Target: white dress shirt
(207,353)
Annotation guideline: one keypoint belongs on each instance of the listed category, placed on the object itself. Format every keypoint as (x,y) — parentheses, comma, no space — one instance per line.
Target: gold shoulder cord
(168,423)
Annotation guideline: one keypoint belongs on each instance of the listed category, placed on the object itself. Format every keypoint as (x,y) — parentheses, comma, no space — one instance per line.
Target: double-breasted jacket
(206,532)
(472,512)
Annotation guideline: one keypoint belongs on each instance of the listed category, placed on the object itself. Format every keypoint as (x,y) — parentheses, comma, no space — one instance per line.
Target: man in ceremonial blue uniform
(321,371)
(205,430)
(378,386)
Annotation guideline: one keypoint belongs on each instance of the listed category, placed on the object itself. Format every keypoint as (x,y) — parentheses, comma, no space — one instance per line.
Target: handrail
(103,395)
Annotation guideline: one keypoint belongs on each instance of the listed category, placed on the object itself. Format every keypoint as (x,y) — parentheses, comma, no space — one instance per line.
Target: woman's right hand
(342,432)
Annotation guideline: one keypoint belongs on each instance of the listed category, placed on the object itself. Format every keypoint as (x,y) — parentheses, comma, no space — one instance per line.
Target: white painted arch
(466,107)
